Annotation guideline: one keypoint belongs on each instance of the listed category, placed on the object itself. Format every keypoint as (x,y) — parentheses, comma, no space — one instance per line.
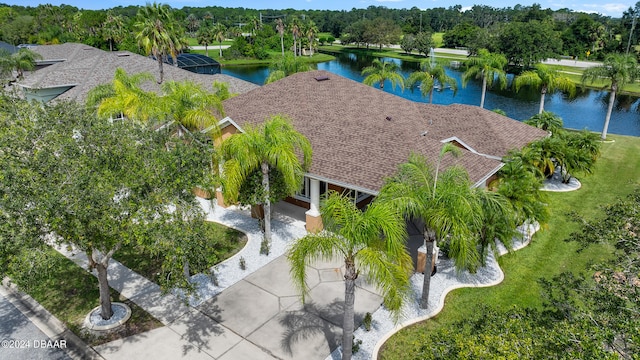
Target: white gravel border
(229,272)
(444,281)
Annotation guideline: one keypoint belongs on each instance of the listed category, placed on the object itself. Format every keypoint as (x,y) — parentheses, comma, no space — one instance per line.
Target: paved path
(259,316)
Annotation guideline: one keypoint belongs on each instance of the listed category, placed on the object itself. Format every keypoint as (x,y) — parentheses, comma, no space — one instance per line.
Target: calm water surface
(586,110)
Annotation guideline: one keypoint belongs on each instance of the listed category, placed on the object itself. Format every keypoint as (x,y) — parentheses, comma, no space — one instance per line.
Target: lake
(585,110)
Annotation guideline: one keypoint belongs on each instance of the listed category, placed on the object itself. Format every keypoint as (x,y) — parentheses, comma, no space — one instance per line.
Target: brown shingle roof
(354,142)
(87,67)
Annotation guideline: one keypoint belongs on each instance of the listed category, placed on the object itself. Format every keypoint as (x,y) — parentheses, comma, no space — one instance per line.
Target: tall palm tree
(158,34)
(371,242)
(280,29)
(429,76)
(547,80)
(205,37)
(219,33)
(311,32)
(444,202)
(113,29)
(285,66)
(486,66)
(191,106)
(617,70)
(379,71)
(296,31)
(275,144)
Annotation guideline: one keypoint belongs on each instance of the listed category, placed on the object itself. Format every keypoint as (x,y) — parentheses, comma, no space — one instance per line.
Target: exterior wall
(297,202)
(225,133)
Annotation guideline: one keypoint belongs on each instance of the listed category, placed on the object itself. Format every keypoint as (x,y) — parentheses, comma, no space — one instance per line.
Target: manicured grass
(616,174)
(228,242)
(215,54)
(70,293)
(194,42)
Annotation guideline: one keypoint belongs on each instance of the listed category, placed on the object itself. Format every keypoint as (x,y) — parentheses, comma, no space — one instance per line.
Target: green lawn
(228,242)
(616,175)
(69,292)
(215,54)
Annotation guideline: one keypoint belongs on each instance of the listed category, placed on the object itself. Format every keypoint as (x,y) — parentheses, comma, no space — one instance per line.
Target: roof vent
(424,133)
(388,118)
(122,54)
(321,78)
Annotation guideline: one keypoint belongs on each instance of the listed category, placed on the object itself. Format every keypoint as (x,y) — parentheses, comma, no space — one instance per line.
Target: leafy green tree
(545,79)
(527,43)
(158,34)
(380,71)
(371,242)
(460,36)
(486,66)
(408,43)
(275,144)
(617,70)
(445,204)
(286,65)
(424,43)
(429,76)
(115,195)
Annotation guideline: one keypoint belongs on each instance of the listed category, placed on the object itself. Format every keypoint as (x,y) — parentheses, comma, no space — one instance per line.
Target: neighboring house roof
(360,134)
(85,67)
(10,48)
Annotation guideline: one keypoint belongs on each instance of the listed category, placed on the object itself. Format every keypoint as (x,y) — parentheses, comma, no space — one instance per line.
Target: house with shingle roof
(360,134)
(68,71)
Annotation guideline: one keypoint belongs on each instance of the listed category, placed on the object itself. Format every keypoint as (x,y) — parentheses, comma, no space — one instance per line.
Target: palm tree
(545,79)
(219,33)
(547,121)
(444,202)
(519,180)
(191,106)
(275,144)
(205,37)
(24,60)
(428,76)
(158,34)
(311,32)
(280,29)
(296,31)
(379,71)
(486,66)
(124,96)
(285,66)
(113,29)
(371,242)
(617,70)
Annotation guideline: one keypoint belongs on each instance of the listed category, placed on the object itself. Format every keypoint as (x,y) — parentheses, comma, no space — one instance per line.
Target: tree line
(549,33)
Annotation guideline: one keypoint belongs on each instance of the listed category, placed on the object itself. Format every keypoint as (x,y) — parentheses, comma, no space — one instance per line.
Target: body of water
(585,110)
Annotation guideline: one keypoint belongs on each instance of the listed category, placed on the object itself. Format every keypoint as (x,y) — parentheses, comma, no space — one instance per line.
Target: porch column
(313,219)
(219,197)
